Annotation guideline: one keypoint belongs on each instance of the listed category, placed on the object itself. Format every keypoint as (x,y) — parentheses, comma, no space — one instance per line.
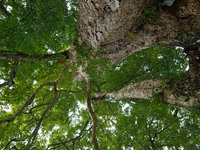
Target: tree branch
(152,139)
(165,128)
(71,140)
(39,105)
(34,133)
(146,31)
(153,145)
(92,116)
(12,140)
(28,102)
(144,91)
(19,56)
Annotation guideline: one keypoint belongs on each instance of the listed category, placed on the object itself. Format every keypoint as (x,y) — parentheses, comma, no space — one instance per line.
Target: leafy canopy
(43,107)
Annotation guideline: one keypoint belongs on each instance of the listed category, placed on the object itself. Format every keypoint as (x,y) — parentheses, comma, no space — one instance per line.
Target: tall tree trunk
(123,27)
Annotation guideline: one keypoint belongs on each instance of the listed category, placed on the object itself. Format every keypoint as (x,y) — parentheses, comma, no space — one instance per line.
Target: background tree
(97,89)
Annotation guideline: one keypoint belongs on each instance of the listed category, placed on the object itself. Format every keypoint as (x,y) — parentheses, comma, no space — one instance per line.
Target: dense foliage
(43,106)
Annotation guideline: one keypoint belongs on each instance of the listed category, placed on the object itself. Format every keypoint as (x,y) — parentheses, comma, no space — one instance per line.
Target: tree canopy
(57,91)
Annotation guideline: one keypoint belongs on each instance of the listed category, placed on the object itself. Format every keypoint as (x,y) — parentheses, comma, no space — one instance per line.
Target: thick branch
(124,27)
(142,90)
(145,89)
(28,102)
(92,116)
(19,56)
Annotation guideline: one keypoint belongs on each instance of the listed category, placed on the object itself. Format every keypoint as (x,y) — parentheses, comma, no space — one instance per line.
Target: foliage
(55,114)
(157,62)
(36,27)
(153,128)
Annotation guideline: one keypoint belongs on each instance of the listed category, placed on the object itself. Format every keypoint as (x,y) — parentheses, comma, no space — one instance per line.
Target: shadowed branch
(19,56)
(35,132)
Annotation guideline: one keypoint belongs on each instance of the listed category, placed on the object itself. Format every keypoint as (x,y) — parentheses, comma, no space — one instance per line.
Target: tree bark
(148,88)
(118,28)
(123,27)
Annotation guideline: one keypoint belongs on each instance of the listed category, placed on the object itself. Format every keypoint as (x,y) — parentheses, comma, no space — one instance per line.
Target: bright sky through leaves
(54,93)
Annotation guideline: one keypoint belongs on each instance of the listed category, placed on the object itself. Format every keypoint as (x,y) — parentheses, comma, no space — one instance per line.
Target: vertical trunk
(123,27)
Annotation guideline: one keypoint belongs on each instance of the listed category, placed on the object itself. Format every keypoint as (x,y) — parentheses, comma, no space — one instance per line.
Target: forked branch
(78,137)
(35,132)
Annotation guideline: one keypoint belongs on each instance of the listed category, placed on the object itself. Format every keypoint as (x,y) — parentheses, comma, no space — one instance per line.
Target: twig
(152,141)
(80,135)
(165,128)
(12,140)
(39,105)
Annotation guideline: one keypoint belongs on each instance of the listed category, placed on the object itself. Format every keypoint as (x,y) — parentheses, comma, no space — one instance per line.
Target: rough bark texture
(122,27)
(143,90)
(146,89)
(109,23)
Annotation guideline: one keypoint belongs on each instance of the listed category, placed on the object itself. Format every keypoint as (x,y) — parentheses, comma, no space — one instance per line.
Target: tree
(122,82)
